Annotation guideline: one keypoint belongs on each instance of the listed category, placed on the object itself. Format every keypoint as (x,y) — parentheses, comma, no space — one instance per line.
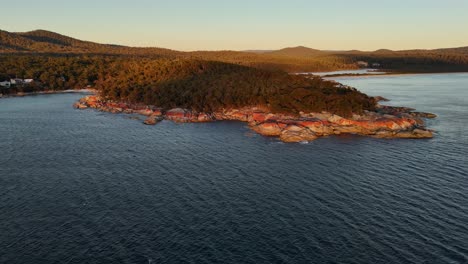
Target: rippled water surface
(91,187)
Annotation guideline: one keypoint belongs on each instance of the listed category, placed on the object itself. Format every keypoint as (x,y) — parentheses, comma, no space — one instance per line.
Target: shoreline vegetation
(41,43)
(338,75)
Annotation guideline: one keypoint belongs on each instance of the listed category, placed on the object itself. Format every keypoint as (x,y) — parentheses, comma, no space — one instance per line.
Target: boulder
(423,115)
(297,134)
(203,117)
(423,133)
(91,101)
(179,115)
(220,116)
(259,117)
(338,129)
(380,99)
(268,129)
(319,127)
(157,112)
(334,118)
(294,128)
(238,115)
(79,105)
(145,112)
(116,110)
(152,120)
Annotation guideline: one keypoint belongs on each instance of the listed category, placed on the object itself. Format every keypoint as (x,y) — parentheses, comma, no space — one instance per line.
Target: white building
(363,64)
(6,84)
(17,81)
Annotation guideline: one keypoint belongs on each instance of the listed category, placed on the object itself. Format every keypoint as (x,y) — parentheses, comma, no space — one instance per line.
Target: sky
(248,25)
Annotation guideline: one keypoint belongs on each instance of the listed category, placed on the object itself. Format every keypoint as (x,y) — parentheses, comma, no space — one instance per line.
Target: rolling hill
(42,41)
(293,59)
(204,80)
(300,51)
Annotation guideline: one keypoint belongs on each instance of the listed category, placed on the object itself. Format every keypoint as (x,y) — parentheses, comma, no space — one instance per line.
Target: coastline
(385,122)
(86,90)
(353,75)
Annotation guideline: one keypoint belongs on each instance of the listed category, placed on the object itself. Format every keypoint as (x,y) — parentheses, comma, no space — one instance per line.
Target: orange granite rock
(386,122)
(268,129)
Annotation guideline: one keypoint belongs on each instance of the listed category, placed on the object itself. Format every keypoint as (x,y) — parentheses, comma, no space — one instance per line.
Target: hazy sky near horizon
(254,24)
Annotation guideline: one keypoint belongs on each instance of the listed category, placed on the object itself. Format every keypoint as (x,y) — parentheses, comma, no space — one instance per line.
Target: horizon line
(250,50)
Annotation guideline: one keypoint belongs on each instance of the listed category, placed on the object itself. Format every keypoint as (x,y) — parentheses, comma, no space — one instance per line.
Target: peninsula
(294,108)
(254,87)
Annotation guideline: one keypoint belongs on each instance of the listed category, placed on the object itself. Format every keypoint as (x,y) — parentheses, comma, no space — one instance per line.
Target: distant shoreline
(357,75)
(93,91)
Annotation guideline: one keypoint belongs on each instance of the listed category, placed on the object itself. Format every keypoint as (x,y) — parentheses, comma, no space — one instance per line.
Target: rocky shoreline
(385,122)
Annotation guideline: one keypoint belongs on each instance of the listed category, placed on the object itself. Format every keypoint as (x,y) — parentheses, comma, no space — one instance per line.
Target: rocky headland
(385,122)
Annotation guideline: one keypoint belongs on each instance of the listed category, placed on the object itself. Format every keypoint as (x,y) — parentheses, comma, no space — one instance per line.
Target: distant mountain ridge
(291,59)
(54,38)
(43,41)
(296,52)
(48,41)
(463,50)
(40,41)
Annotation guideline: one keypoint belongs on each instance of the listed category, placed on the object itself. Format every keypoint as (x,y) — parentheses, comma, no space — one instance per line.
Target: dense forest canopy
(203,80)
(297,59)
(210,86)
(189,83)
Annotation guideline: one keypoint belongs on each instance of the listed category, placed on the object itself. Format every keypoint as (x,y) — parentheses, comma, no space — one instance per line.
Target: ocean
(93,187)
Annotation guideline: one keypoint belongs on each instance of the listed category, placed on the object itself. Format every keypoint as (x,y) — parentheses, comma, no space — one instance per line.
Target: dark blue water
(91,187)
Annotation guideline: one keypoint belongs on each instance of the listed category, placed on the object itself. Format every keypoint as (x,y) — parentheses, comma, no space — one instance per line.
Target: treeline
(56,72)
(189,83)
(204,80)
(298,59)
(209,86)
(418,61)
(46,42)
(291,64)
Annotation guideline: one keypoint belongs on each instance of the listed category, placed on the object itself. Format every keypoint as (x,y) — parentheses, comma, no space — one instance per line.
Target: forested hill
(300,51)
(297,59)
(210,86)
(189,83)
(46,42)
(203,80)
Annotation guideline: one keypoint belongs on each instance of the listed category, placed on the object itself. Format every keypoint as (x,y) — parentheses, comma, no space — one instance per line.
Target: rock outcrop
(152,120)
(79,105)
(385,122)
(293,133)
